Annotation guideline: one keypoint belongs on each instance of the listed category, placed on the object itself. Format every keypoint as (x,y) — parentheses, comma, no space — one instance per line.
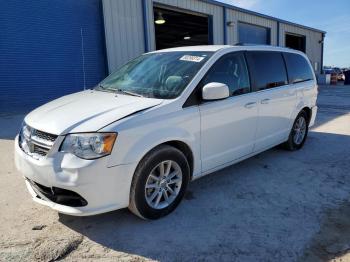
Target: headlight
(24,136)
(25,131)
(89,145)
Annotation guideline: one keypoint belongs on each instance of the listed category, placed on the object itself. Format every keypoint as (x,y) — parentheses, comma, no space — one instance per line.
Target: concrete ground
(277,206)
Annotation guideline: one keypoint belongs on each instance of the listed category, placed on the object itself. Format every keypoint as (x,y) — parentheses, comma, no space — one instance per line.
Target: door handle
(250,105)
(265,101)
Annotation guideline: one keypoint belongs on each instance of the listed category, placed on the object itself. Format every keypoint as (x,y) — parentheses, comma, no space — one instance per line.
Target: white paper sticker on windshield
(192,58)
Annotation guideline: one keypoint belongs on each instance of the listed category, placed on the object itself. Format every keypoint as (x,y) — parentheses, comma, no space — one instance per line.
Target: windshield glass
(157,75)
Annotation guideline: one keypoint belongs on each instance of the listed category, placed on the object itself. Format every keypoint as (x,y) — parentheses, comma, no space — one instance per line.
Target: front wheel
(159,183)
(298,133)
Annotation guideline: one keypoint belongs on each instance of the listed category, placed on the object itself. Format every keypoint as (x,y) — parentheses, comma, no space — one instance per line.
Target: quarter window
(298,68)
(267,69)
(232,71)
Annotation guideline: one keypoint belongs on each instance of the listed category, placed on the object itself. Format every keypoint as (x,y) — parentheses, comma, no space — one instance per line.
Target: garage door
(297,42)
(175,28)
(252,34)
(48,48)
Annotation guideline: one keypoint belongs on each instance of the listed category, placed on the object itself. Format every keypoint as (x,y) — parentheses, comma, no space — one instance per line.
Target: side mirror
(215,91)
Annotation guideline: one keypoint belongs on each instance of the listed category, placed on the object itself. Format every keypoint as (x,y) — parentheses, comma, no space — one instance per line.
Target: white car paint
(228,129)
(215,91)
(85,111)
(275,127)
(218,134)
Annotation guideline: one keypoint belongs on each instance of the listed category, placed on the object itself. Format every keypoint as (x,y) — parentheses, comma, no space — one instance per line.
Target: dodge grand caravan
(160,121)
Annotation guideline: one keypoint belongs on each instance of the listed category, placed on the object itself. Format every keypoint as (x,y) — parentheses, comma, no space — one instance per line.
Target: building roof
(216,2)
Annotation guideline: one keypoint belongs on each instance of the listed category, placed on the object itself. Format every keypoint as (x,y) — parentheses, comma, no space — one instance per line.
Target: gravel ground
(277,206)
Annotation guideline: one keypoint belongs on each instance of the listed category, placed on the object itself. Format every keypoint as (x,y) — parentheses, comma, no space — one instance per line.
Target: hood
(86,111)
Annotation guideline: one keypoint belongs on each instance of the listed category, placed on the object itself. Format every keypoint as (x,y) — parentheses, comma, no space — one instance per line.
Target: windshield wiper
(104,89)
(129,93)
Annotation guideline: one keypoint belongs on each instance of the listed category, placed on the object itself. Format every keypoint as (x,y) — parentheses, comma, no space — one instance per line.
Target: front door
(228,126)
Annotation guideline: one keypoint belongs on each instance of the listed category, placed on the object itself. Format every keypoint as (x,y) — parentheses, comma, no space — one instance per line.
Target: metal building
(56,47)
(131,24)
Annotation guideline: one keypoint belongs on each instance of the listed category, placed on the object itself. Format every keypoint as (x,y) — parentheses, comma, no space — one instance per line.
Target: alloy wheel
(299,130)
(163,184)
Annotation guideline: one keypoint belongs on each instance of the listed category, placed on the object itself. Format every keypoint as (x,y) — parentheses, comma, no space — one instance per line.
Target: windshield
(157,75)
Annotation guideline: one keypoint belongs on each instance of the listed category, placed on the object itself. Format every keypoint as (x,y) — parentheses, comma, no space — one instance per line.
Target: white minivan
(160,121)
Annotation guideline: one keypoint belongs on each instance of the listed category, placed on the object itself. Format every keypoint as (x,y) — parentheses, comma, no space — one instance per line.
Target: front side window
(232,71)
(267,69)
(157,75)
(298,68)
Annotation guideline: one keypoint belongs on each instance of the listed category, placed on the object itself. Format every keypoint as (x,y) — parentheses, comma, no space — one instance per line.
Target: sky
(332,16)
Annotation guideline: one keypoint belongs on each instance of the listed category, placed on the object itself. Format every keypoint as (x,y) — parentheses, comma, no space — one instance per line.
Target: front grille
(34,142)
(40,150)
(45,136)
(59,195)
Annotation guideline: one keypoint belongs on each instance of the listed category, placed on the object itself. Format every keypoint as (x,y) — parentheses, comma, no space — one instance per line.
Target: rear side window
(298,68)
(267,69)
(231,70)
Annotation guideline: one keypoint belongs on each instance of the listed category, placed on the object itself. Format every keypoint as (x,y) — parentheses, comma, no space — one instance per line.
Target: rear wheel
(299,132)
(159,183)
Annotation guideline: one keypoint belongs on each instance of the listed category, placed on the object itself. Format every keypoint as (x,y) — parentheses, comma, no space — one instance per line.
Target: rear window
(267,69)
(298,68)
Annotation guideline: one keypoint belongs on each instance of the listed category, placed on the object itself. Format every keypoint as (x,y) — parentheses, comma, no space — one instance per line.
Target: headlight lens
(89,145)
(24,135)
(25,131)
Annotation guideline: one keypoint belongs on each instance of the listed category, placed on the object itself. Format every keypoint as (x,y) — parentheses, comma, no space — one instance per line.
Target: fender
(140,135)
(141,147)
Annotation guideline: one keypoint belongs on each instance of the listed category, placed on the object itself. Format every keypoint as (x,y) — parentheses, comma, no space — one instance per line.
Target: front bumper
(104,188)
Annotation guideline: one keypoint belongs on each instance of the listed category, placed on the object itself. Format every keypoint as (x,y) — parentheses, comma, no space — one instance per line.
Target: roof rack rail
(247,44)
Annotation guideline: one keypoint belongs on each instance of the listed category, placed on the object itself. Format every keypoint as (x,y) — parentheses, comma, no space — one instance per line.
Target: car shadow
(269,206)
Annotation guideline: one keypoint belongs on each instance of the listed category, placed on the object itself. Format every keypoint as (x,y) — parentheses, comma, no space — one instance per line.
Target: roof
(215,48)
(216,2)
(200,48)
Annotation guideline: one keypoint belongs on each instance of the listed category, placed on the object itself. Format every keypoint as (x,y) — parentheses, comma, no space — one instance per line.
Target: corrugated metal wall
(123,30)
(48,48)
(313,42)
(125,27)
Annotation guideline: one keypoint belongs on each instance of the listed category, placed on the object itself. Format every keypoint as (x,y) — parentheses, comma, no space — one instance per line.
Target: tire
(142,200)
(292,143)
